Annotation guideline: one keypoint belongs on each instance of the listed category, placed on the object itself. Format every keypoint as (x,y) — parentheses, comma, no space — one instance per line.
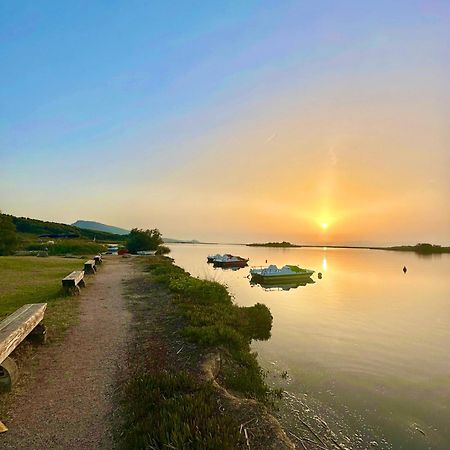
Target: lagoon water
(366,348)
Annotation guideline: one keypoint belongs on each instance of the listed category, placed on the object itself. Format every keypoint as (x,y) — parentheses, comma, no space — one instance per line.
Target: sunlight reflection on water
(367,343)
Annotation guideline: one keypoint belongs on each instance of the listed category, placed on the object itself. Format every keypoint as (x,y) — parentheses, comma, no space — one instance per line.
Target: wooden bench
(71,284)
(89,267)
(98,259)
(25,322)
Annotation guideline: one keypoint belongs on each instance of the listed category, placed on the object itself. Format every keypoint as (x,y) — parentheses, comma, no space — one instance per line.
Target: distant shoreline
(423,249)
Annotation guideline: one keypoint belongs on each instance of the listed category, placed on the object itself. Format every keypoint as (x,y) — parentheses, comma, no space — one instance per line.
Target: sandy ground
(68,404)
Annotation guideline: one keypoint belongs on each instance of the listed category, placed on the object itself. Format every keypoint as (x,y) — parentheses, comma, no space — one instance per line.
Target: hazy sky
(309,121)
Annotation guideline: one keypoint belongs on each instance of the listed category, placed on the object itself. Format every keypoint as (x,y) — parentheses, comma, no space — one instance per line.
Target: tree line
(137,240)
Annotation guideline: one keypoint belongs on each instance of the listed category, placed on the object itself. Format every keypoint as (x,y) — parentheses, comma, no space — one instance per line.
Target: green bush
(200,291)
(8,235)
(163,250)
(143,240)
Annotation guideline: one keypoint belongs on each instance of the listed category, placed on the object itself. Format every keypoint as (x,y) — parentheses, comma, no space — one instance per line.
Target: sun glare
(324,226)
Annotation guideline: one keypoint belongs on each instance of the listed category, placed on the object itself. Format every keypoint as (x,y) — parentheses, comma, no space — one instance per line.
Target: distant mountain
(44,228)
(96,226)
(181,241)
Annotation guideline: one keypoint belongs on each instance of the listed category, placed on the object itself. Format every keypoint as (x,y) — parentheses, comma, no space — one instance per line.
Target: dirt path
(68,403)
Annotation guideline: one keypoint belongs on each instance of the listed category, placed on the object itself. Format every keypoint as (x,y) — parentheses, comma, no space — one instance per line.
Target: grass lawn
(28,279)
(63,246)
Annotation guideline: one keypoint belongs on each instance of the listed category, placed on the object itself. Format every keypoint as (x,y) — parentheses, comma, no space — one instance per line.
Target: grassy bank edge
(163,408)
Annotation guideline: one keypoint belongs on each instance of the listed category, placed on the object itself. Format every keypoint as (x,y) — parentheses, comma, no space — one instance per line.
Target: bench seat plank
(15,328)
(73,278)
(89,267)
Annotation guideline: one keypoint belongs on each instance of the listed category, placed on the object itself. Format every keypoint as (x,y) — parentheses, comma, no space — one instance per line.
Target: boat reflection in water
(231,268)
(281,286)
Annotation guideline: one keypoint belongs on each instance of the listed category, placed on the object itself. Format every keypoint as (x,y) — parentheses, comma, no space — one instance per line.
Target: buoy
(319,275)
(405,269)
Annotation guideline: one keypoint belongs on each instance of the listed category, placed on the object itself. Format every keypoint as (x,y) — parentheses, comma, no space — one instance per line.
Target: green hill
(41,228)
(97,226)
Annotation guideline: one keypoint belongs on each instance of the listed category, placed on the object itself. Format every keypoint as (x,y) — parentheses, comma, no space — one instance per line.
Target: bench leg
(38,335)
(71,290)
(82,283)
(9,372)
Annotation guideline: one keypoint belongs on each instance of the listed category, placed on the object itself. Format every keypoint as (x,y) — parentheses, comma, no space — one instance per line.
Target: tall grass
(174,411)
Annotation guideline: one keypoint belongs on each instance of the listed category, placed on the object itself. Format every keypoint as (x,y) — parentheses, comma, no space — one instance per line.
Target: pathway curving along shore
(68,403)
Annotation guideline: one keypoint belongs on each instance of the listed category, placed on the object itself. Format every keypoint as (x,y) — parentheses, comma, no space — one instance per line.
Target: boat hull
(274,279)
(242,263)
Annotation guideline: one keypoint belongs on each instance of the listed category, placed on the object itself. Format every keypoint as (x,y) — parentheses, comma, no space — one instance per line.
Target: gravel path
(68,403)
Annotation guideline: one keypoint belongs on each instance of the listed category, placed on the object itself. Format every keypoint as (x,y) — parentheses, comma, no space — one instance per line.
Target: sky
(317,122)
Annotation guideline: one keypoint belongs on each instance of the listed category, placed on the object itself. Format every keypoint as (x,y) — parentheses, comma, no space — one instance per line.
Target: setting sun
(324,226)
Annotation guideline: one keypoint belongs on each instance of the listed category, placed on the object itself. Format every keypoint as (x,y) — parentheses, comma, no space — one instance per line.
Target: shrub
(163,250)
(8,235)
(142,240)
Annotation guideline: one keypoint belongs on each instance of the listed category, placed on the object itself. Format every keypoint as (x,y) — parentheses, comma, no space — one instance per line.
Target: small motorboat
(228,260)
(112,249)
(146,252)
(273,274)
(211,258)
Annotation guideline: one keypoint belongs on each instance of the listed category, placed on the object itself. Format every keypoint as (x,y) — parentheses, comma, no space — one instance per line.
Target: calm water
(366,348)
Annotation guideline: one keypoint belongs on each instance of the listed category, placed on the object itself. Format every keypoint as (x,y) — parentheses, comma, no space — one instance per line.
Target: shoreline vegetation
(422,248)
(192,380)
(22,236)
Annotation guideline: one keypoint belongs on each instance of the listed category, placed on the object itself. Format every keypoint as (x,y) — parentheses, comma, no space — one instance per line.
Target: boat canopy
(273,270)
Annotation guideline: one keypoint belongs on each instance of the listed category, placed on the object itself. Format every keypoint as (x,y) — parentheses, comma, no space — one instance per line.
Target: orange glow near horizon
(338,156)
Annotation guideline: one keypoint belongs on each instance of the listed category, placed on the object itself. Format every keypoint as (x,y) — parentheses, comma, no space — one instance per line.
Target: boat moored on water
(211,258)
(285,274)
(227,260)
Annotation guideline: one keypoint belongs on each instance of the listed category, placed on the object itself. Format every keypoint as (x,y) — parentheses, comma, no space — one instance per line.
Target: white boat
(212,258)
(286,273)
(227,260)
(146,252)
(112,249)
